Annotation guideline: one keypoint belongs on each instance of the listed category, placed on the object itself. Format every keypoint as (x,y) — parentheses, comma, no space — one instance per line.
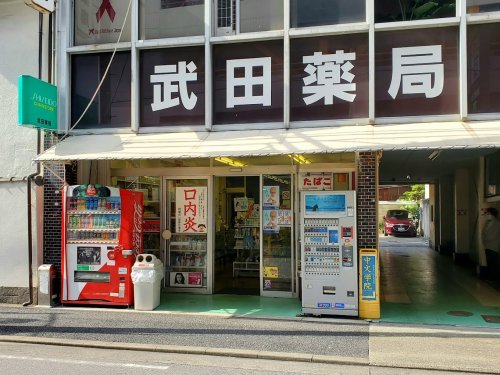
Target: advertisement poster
(271,272)
(285,217)
(240,204)
(100,21)
(253,211)
(186,279)
(325,204)
(191,209)
(317,181)
(270,218)
(271,196)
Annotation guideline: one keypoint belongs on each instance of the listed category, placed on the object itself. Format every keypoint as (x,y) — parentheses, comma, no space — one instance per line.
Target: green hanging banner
(37,103)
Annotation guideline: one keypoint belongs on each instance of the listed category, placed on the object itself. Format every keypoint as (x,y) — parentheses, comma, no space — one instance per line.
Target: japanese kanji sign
(172,86)
(329,77)
(191,209)
(368,277)
(315,181)
(248,82)
(416,74)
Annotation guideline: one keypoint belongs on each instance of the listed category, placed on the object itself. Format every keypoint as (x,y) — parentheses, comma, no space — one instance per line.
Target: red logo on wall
(106,7)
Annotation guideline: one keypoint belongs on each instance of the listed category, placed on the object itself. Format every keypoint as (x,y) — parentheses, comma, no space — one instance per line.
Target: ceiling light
(433,156)
(299,159)
(229,161)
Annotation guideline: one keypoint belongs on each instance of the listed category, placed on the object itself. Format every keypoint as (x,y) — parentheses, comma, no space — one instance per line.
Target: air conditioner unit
(43,6)
(226,17)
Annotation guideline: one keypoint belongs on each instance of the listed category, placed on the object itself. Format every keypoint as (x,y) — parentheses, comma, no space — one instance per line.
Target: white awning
(417,136)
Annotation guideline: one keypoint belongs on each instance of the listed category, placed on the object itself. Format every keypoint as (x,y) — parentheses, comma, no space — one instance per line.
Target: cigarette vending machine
(329,253)
(101,234)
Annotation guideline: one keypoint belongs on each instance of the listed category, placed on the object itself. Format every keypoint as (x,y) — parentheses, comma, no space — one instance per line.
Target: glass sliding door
(277,235)
(188,235)
(237,235)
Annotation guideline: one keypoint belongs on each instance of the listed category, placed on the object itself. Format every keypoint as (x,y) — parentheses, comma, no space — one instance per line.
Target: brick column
(54,178)
(366,193)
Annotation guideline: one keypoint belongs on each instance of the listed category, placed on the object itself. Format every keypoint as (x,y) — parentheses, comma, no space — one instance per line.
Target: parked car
(399,222)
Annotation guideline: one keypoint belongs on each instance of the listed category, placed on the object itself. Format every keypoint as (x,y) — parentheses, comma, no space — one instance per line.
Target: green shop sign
(37,103)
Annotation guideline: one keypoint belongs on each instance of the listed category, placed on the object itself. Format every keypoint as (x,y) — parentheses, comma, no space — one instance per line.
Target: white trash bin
(147,273)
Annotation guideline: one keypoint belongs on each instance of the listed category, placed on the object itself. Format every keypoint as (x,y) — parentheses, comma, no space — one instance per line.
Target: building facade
(239,100)
(18,148)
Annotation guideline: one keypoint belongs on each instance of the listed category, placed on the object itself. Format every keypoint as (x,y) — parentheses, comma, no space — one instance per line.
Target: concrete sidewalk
(320,340)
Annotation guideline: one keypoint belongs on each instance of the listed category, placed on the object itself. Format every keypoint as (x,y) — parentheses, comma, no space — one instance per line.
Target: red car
(398,222)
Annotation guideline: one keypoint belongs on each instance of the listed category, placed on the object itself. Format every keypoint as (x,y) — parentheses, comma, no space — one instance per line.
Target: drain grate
(491,318)
(460,313)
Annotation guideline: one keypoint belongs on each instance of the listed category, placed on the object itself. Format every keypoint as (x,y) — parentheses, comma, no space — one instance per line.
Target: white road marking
(74,362)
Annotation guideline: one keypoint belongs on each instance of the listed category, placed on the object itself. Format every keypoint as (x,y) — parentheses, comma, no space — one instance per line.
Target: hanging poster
(271,196)
(285,217)
(271,221)
(240,204)
(191,209)
(271,272)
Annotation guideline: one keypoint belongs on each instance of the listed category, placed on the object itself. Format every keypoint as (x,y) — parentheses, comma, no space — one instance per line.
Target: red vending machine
(101,235)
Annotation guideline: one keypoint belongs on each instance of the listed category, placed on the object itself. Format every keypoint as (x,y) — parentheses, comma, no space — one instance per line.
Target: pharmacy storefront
(224,113)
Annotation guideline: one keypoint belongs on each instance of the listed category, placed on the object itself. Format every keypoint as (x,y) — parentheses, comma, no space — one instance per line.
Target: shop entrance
(237,235)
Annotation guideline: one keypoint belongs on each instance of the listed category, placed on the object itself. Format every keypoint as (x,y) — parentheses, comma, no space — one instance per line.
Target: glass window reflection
(306,13)
(171,18)
(413,10)
(111,107)
(481,6)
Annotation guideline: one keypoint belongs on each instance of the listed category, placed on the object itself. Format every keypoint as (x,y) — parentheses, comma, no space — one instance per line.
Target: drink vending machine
(329,264)
(101,234)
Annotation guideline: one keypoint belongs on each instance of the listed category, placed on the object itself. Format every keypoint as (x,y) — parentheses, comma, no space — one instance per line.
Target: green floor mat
(227,304)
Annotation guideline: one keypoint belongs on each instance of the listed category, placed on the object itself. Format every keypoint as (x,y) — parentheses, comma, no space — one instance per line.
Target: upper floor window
(412,10)
(326,12)
(480,6)
(171,18)
(483,68)
(244,16)
(416,72)
(111,107)
(100,21)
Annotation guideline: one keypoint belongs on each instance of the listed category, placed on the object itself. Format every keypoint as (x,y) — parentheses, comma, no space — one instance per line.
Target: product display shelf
(247,250)
(251,267)
(188,251)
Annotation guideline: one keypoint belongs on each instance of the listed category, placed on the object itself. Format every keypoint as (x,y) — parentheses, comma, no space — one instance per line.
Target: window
(253,16)
(329,77)
(412,10)
(416,72)
(492,175)
(100,21)
(483,68)
(171,18)
(480,6)
(111,107)
(248,82)
(172,86)
(326,12)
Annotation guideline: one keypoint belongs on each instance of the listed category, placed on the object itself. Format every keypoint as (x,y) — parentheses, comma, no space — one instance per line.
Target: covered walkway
(419,285)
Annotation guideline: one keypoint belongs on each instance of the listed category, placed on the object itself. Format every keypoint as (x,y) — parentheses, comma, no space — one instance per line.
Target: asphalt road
(48,360)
